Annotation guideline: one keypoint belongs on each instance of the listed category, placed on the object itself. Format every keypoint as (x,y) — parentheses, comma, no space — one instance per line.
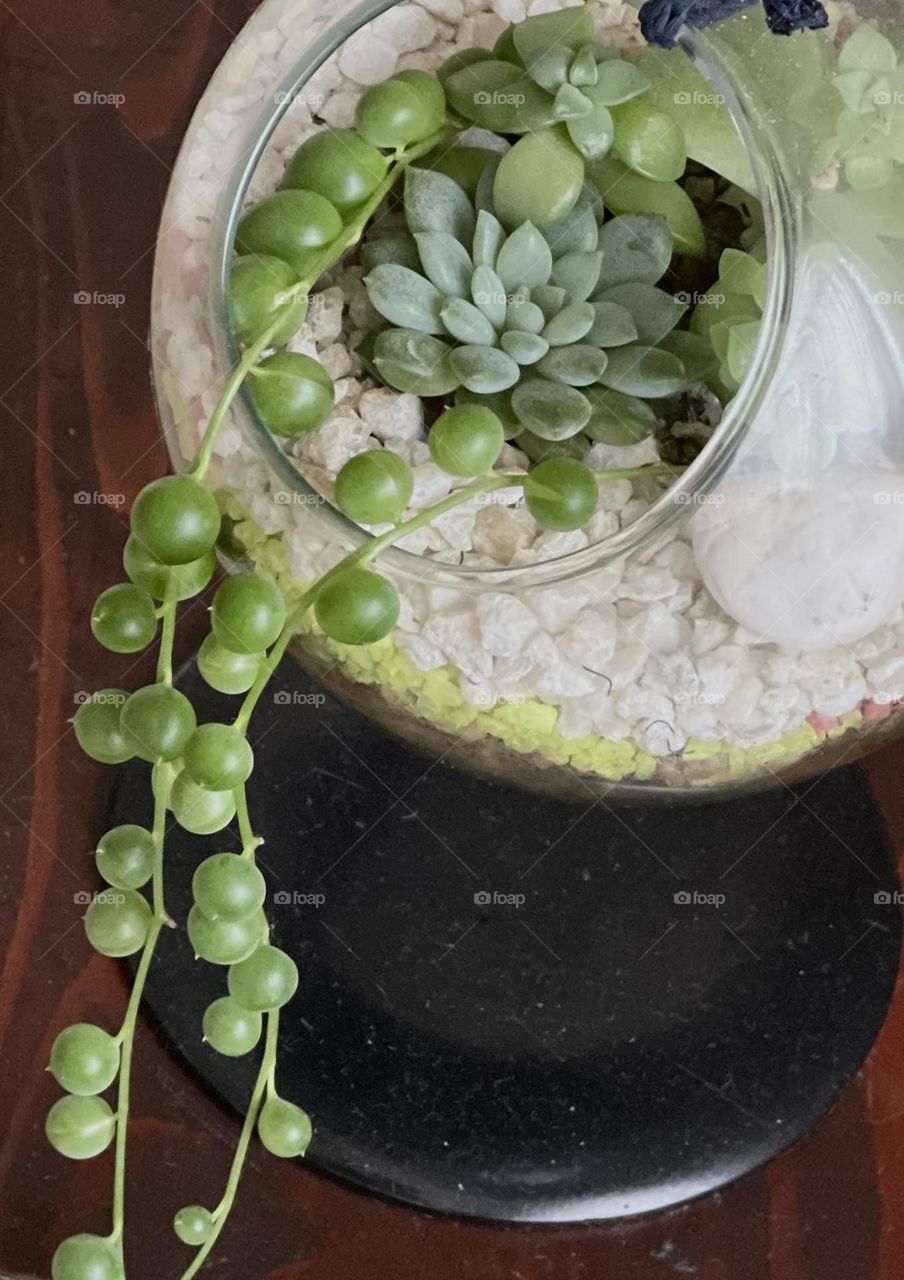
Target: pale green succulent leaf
(644,371)
(549,298)
(526,348)
(484,369)
(654,311)
(446,262)
(618,419)
(635,247)
(613,326)
(742,340)
(524,315)
(577,274)
(570,104)
(490,295)
(489,236)
(577,232)
(617,82)
(853,87)
(415,362)
(499,96)
(433,202)
(740,273)
(524,259)
(549,67)
(578,365)
(483,196)
(539,450)
(583,70)
(695,353)
(405,298)
(570,325)
(868,172)
(467,323)
(402,251)
(868,50)
(572,27)
(593,133)
(549,409)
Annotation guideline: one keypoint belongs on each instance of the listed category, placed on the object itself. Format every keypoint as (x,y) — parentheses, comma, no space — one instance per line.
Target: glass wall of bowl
(719,625)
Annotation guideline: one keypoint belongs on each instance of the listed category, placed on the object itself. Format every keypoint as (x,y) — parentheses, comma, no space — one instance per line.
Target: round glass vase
(780,651)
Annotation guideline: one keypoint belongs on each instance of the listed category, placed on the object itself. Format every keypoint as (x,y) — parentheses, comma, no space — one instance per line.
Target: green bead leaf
(617,82)
(499,96)
(853,87)
(577,274)
(618,419)
(742,340)
(402,251)
(548,67)
(539,450)
(489,237)
(583,71)
(446,262)
(415,362)
(434,202)
(467,323)
(570,104)
(634,248)
(644,371)
(524,259)
(549,298)
(549,409)
(740,273)
(572,27)
(405,298)
(868,50)
(578,365)
(490,295)
(613,327)
(484,369)
(654,311)
(593,133)
(525,316)
(694,352)
(526,348)
(570,325)
(577,232)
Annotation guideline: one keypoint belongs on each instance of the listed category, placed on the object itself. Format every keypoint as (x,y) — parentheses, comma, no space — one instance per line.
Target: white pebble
(506,624)
(457,635)
(405,28)
(388,413)
(446,10)
(366,58)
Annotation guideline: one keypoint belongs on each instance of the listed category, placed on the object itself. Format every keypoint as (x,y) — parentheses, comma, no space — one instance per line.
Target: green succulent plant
(730,315)
(560,331)
(869,137)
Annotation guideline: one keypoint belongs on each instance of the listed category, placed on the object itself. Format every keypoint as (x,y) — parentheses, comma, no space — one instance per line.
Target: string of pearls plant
(333,188)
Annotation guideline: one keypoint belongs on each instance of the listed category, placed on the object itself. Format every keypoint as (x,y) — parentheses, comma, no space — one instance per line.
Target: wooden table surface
(96,96)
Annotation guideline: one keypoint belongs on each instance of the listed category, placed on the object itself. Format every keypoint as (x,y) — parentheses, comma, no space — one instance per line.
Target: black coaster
(518,1009)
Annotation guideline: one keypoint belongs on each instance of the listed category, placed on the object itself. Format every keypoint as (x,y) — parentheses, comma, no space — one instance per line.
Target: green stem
(167,632)
(221,1212)
(250,842)
(162,784)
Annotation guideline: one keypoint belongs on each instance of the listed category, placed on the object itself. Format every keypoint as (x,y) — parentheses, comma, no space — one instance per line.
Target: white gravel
(640,650)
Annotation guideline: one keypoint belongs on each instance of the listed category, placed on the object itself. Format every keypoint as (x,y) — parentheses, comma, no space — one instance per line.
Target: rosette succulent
(869,138)
(729,316)
(561,330)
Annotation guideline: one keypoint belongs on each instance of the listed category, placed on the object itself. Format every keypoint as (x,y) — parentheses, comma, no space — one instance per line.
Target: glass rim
(700,478)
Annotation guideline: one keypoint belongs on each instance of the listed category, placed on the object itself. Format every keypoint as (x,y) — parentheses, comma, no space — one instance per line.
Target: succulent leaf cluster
(561,331)
(544,71)
(869,137)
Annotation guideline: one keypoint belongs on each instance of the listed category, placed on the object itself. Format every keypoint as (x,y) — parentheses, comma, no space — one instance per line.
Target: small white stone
(553,544)
(406,27)
(389,413)
(718,672)
(645,584)
(614,494)
(424,655)
(415,542)
(506,624)
(562,679)
(446,10)
(645,705)
(626,664)
(602,525)
(656,628)
(366,58)
(336,360)
(633,510)
(457,635)
(323,323)
(503,532)
(341,437)
(557,607)
(455,526)
(709,633)
(339,110)
(886,678)
(510,10)
(487,29)
(431,485)
(672,674)
(575,720)
(662,738)
(590,640)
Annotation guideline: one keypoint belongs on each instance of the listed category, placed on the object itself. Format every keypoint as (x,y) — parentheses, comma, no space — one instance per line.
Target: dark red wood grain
(81,188)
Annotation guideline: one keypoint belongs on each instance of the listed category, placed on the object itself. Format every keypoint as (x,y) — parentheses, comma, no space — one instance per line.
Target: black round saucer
(518,1009)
